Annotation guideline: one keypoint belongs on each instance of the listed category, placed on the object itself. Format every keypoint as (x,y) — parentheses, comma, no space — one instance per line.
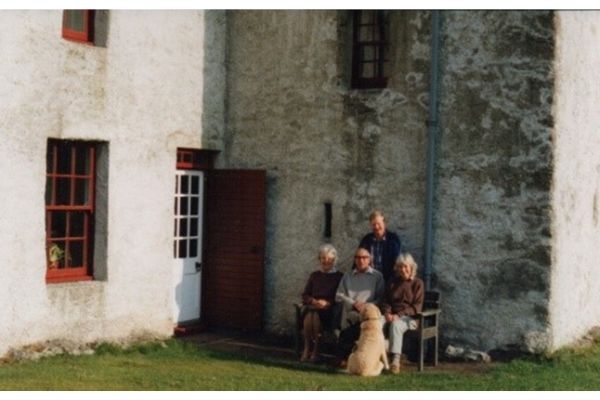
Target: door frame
(198,160)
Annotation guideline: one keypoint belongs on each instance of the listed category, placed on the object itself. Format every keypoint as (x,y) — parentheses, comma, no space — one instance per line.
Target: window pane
(82,192)
(194,227)
(185,184)
(75,254)
(183,227)
(193,248)
(50,158)
(195,184)
(183,206)
(177,185)
(175,227)
(366,17)
(365,34)
(59,224)
(74,19)
(194,206)
(176,207)
(63,191)
(76,224)
(367,71)
(182,252)
(64,158)
(368,53)
(82,160)
(48,191)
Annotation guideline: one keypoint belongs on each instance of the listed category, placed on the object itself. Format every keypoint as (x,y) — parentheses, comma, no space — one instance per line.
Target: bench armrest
(428,313)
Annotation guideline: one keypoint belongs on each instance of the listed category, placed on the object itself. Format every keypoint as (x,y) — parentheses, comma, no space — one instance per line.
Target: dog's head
(370,312)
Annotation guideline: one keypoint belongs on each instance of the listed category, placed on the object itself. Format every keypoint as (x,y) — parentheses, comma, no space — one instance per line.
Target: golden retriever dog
(369,356)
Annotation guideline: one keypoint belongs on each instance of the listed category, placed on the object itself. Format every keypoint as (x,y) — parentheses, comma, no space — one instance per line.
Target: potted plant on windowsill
(55,255)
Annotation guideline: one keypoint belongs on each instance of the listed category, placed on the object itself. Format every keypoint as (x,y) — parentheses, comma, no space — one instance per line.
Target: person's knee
(399,326)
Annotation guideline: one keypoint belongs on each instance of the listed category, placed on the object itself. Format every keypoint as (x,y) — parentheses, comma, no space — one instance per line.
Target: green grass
(183,366)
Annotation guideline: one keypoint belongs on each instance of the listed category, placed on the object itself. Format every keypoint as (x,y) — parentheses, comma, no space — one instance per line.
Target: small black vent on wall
(327,231)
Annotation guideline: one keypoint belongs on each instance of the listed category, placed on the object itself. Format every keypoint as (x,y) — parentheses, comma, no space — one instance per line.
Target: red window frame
(372,35)
(195,158)
(70,198)
(86,35)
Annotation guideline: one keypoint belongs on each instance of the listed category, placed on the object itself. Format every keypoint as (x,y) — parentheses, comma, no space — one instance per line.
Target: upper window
(78,25)
(70,189)
(370,49)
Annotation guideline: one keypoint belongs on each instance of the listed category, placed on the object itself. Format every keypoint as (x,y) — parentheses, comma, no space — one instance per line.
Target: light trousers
(395,331)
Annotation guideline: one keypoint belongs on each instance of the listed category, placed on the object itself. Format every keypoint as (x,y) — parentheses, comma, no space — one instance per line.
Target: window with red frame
(370,49)
(70,191)
(78,25)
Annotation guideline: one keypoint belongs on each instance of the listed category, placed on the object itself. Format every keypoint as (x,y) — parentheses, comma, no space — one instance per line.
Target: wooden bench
(428,328)
(328,336)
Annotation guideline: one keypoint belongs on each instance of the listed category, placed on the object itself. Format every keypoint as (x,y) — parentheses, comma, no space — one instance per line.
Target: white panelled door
(187,247)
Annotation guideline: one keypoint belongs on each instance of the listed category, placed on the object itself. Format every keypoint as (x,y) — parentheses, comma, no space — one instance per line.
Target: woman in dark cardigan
(319,297)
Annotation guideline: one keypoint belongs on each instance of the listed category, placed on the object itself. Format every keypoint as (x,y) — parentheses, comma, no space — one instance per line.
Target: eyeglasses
(361,257)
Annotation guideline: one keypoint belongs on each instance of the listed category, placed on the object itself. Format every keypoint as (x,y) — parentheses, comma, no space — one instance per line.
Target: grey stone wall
(492,222)
(290,111)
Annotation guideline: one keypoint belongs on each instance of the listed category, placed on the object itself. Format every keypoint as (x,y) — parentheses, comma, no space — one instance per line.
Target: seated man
(362,285)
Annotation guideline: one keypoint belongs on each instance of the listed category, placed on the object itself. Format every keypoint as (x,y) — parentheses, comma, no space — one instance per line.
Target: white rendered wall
(575,286)
(143,94)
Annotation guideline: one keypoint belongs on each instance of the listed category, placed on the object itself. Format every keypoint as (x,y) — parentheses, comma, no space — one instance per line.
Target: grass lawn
(184,366)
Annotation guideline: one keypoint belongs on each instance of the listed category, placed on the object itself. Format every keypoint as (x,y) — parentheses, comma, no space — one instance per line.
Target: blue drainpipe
(433,129)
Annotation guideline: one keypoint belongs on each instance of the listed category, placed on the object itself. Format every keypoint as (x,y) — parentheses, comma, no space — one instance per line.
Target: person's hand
(389,317)
(358,306)
(320,304)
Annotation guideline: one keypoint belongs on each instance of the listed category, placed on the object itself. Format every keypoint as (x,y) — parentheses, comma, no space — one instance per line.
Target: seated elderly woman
(403,298)
(319,296)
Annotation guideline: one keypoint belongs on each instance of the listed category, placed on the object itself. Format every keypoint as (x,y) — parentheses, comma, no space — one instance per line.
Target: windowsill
(78,41)
(74,284)
(365,92)
(53,281)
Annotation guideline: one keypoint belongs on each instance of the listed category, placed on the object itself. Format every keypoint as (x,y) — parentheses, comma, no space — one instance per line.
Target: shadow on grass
(251,356)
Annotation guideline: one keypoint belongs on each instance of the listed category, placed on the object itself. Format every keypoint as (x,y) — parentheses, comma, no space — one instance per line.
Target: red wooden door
(235,243)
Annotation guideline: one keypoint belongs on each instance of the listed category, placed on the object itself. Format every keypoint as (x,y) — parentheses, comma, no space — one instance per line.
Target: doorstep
(189,328)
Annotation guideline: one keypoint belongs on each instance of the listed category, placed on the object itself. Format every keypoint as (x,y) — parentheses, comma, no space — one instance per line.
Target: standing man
(358,287)
(383,245)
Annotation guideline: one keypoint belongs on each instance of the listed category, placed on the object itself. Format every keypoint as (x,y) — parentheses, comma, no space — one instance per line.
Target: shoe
(395,369)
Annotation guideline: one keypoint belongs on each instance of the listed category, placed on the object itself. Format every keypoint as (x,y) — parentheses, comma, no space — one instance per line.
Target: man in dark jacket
(383,245)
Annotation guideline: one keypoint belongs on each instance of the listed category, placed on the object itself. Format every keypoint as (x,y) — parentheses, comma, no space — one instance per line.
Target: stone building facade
(511,89)
(516,176)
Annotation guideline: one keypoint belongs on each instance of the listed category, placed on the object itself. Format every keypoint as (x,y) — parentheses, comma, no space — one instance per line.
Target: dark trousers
(347,339)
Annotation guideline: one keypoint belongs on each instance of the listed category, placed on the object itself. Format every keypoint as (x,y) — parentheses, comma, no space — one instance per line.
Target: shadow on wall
(101,23)
(214,83)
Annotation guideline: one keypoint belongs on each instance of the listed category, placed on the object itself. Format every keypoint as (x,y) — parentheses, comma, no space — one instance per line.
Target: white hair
(407,259)
(328,251)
